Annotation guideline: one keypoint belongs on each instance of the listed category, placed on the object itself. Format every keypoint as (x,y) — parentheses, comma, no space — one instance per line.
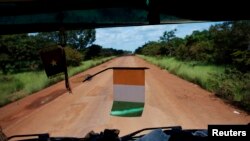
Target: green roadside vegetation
(189,70)
(19,85)
(22,71)
(217,59)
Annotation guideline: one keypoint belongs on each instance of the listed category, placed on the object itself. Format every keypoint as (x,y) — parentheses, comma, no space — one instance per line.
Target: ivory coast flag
(129,91)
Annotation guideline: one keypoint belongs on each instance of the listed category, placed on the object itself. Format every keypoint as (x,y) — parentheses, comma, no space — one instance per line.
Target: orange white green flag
(129,91)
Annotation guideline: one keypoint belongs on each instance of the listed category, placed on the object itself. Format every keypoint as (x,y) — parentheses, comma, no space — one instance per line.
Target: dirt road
(169,101)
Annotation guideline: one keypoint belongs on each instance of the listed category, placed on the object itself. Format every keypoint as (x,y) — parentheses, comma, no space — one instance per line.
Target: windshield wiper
(43,137)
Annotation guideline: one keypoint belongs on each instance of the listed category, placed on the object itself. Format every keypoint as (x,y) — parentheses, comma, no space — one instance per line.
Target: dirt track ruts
(169,101)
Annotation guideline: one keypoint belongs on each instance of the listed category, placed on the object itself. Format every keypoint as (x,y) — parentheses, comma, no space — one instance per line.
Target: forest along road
(169,101)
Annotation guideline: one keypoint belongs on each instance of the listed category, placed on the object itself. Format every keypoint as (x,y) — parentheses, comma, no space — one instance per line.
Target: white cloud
(129,38)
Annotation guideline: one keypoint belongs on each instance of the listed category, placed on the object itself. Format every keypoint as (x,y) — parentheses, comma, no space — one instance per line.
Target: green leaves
(168,35)
(73,57)
(78,39)
(223,44)
(233,85)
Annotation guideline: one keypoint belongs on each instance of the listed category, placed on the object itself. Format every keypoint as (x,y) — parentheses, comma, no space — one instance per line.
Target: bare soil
(169,101)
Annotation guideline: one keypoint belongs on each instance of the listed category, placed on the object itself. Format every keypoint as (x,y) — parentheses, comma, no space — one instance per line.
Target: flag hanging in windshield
(129,92)
(54,61)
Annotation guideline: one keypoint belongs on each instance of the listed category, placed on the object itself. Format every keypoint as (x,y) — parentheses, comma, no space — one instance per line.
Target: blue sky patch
(130,38)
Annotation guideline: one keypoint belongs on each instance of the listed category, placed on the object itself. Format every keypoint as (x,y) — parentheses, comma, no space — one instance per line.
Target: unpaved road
(169,101)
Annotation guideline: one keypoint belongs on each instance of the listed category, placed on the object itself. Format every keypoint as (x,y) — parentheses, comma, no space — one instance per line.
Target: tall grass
(227,83)
(8,85)
(190,70)
(19,85)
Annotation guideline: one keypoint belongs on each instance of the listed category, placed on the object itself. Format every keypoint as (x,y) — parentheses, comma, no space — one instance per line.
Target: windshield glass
(198,75)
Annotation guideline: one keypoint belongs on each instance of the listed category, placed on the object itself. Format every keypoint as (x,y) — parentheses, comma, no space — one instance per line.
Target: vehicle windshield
(198,74)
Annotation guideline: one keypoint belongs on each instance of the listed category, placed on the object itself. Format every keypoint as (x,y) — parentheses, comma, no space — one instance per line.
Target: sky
(130,38)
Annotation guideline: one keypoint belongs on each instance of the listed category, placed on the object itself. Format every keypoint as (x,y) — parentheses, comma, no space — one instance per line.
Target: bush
(9,86)
(234,86)
(229,84)
(92,52)
(19,85)
(73,57)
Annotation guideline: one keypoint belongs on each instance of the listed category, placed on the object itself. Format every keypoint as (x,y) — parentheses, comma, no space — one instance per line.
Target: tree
(168,35)
(105,52)
(78,39)
(138,50)
(5,56)
(152,48)
(226,43)
(21,51)
(18,52)
(241,45)
(48,37)
(222,42)
(73,57)
(92,52)
(167,47)
(199,46)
